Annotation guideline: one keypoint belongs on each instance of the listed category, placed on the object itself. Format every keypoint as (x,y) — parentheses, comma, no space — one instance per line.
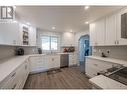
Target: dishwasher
(64,60)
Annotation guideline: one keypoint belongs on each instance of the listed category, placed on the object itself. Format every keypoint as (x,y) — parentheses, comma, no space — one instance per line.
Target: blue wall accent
(84,47)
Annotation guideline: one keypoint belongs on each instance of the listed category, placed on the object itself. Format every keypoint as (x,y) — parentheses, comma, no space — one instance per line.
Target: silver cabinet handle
(14,41)
(25,67)
(13,74)
(117,42)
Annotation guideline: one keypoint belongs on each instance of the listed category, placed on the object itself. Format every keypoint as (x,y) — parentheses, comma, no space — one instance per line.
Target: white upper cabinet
(92,35)
(100,32)
(32,36)
(27,35)
(9,33)
(107,31)
(111,34)
(97,33)
(120,40)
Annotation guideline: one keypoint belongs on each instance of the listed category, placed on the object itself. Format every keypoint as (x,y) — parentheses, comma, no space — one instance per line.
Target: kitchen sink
(120,75)
(111,70)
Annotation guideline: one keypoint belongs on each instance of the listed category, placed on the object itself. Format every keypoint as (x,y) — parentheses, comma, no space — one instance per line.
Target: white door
(111,30)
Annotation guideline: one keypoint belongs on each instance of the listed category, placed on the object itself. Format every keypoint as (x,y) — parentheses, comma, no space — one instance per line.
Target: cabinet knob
(52,59)
(117,42)
(25,67)
(14,86)
(14,41)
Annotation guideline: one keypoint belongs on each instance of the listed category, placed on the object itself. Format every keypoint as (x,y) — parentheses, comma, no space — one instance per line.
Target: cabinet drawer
(16,78)
(35,59)
(10,82)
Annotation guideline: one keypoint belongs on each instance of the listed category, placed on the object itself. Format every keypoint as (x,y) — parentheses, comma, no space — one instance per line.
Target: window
(49,43)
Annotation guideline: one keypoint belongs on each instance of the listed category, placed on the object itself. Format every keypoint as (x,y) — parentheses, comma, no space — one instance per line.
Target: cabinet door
(10,83)
(56,61)
(111,35)
(72,59)
(92,34)
(52,61)
(37,64)
(91,69)
(32,36)
(93,66)
(23,74)
(9,33)
(100,32)
(120,40)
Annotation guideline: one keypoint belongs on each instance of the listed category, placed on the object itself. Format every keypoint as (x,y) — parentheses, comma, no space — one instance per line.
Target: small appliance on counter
(39,50)
(19,51)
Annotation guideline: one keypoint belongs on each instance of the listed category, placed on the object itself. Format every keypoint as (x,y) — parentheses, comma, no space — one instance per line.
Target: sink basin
(120,76)
(111,70)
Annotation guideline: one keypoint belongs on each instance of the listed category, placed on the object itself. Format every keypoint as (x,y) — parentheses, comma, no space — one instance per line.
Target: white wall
(7,51)
(68,39)
(119,52)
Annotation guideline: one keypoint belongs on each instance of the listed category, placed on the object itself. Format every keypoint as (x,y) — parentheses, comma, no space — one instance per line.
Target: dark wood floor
(68,78)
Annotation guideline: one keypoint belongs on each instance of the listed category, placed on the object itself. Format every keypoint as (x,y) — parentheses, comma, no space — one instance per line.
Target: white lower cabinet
(53,61)
(43,63)
(93,66)
(37,64)
(72,59)
(17,78)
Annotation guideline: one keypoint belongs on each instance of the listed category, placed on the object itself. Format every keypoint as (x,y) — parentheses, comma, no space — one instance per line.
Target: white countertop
(8,65)
(106,83)
(112,60)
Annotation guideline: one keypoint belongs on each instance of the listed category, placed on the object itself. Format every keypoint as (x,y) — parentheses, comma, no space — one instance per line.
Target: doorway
(84,50)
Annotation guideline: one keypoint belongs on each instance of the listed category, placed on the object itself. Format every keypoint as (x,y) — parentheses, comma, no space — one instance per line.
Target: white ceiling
(64,18)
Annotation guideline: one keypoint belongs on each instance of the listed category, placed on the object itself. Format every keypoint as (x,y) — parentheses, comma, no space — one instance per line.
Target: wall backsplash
(115,51)
(7,51)
(30,50)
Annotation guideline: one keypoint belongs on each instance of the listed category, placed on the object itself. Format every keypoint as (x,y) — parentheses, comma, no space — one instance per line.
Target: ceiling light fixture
(86,7)
(53,28)
(71,30)
(86,22)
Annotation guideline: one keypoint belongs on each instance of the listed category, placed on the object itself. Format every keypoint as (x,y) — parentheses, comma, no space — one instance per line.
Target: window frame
(50,37)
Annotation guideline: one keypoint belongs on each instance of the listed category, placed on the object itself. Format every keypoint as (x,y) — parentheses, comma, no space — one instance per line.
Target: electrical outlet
(99,50)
